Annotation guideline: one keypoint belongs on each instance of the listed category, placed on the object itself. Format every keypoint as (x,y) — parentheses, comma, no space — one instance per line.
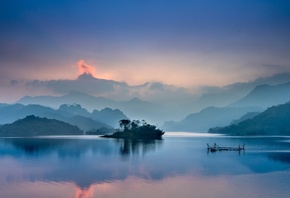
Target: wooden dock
(215,148)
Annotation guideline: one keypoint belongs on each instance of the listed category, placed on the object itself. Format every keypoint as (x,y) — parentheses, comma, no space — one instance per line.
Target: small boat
(215,148)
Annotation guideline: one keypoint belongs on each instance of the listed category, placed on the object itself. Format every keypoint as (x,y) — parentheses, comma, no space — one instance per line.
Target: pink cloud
(86,68)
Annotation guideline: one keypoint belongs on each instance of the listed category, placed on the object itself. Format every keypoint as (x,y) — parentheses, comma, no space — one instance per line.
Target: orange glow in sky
(84,193)
(84,68)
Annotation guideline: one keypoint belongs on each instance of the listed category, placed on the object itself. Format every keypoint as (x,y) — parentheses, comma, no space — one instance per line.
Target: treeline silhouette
(136,129)
(36,126)
(274,121)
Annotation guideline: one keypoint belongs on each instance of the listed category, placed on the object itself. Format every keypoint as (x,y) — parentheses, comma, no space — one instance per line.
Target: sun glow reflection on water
(177,166)
(179,186)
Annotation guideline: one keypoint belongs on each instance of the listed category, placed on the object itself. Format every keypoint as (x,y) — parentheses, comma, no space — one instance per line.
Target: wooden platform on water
(215,148)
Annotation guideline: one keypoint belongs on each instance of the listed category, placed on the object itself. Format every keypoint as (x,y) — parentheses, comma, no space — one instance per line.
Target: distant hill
(174,104)
(222,96)
(82,90)
(85,123)
(72,110)
(36,126)
(135,107)
(109,116)
(245,117)
(274,121)
(72,114)
(265,96)
(208,118)
(87,101)
(218,98)
(13,112)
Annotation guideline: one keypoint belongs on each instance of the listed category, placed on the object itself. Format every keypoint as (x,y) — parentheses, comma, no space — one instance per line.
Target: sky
(186,43)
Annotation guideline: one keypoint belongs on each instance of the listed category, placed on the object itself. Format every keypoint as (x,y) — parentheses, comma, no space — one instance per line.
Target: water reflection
(76,147)
(253,186)
(129,147)
(32,146)
(283,157)
(84,161)
(92,166)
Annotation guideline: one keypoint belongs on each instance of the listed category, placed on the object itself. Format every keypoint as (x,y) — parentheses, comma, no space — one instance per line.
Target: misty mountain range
(35,126)
(211,116)
(72,114)
(260,98)
(217,106)
(155,102)
(135,107)
(274,121)
(224,96)
(265,96)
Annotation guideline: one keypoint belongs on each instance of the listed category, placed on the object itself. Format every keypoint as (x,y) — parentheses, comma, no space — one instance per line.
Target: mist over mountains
(208,117)
(175,109)
(229,94)
(273,121)
(265,96)
(71,114)
(153,92)
(112,90)
(134,108)
(257,100)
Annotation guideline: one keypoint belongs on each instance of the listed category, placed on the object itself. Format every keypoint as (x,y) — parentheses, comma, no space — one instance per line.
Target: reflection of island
(63,146)
(85,161)
(72,146)
(82,160)
(136,130)
(137,146)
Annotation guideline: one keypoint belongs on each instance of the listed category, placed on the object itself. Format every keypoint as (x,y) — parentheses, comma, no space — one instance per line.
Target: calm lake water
(177,166)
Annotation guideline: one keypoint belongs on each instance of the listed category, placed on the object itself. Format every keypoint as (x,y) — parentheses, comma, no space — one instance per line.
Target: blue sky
(183,43)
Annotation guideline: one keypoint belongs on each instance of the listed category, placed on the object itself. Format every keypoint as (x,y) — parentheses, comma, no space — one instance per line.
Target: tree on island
(136,129)
(125,124)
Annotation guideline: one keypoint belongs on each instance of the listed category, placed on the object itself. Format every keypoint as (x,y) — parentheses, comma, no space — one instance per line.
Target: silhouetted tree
(135,124)
(125,124)
(133,129)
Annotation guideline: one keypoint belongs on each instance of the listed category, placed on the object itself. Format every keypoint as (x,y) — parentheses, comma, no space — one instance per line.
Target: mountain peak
(77,93)
(265,96)
(135,99)
(86,76)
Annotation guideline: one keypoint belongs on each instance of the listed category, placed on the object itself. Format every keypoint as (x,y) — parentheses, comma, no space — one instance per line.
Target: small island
(136,129)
